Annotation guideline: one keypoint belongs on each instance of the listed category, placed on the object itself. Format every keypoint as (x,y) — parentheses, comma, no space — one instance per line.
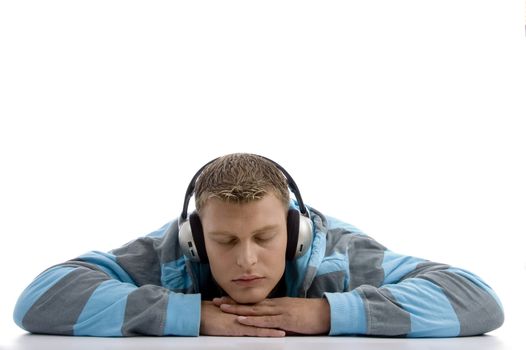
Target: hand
(216,322)
(294,315)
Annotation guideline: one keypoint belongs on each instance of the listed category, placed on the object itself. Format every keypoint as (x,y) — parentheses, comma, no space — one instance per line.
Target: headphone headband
(290,181)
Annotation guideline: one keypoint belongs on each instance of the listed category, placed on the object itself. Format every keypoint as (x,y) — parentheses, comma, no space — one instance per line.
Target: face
(246,245)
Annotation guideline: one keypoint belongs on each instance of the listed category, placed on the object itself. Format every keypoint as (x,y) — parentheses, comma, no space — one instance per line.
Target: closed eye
(265,238)
(227,241)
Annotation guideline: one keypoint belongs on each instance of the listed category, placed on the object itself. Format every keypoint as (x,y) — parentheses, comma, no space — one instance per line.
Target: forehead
(219,215)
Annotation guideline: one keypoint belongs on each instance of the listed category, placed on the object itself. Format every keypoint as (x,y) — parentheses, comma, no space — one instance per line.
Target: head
(242,201)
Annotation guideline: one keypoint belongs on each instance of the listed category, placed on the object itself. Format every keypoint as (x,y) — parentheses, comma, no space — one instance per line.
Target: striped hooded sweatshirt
(148,287)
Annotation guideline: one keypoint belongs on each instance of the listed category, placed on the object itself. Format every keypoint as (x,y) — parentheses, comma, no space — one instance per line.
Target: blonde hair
(240,178)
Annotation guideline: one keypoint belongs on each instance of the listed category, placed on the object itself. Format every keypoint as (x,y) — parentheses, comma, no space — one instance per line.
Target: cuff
(347,313)
(183,314)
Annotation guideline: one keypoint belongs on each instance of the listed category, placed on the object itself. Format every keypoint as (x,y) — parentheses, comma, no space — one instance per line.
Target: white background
(404,118)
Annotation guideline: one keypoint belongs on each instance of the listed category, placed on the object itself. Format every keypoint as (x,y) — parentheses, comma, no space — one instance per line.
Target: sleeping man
(252,261)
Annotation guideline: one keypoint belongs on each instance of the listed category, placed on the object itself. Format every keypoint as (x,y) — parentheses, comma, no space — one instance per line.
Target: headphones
(299,225)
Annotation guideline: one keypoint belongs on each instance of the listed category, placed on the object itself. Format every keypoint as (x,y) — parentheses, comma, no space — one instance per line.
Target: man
(251,262)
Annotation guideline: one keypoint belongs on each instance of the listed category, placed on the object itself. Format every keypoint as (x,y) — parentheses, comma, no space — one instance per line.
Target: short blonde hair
(240,178)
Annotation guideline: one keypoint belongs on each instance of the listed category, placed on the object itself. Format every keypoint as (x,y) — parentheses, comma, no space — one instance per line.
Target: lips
(245,278)
(248,279)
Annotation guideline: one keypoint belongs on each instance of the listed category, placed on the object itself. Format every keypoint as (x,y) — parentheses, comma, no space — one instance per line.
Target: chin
(248,298)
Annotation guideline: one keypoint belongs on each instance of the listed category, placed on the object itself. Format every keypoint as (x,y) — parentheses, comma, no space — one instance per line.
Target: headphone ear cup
(305,235)
(299,234)
(293,226)
(186,241)
(198,236)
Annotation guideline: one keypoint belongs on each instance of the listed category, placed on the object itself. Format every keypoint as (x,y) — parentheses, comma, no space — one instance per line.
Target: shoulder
(341,236)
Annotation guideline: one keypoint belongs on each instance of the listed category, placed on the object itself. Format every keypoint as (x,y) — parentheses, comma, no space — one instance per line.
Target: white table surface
(45,342)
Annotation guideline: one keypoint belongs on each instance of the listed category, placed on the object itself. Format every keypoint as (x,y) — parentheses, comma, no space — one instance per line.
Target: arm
(404,296)
(108,294)
(124,293)
(387,295)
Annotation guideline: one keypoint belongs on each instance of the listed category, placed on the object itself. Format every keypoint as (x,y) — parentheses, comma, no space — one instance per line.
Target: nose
(246,255)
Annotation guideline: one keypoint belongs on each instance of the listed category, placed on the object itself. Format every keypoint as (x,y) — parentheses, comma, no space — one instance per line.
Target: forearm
(434,303)
(77,300)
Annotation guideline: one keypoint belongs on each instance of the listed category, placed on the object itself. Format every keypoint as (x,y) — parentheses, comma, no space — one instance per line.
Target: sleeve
(397,295)
(108,294)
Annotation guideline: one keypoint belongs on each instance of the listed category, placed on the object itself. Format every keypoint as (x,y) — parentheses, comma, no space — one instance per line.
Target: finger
(269,332)
(264,332)
(249,310)
(268,302)
(241,330)
(261,321)
(244,330)
(223,300)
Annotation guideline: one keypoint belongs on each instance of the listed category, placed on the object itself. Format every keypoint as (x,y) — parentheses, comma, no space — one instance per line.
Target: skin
(246,245)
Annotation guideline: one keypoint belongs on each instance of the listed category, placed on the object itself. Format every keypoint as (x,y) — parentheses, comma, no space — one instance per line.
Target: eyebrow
(258,231)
